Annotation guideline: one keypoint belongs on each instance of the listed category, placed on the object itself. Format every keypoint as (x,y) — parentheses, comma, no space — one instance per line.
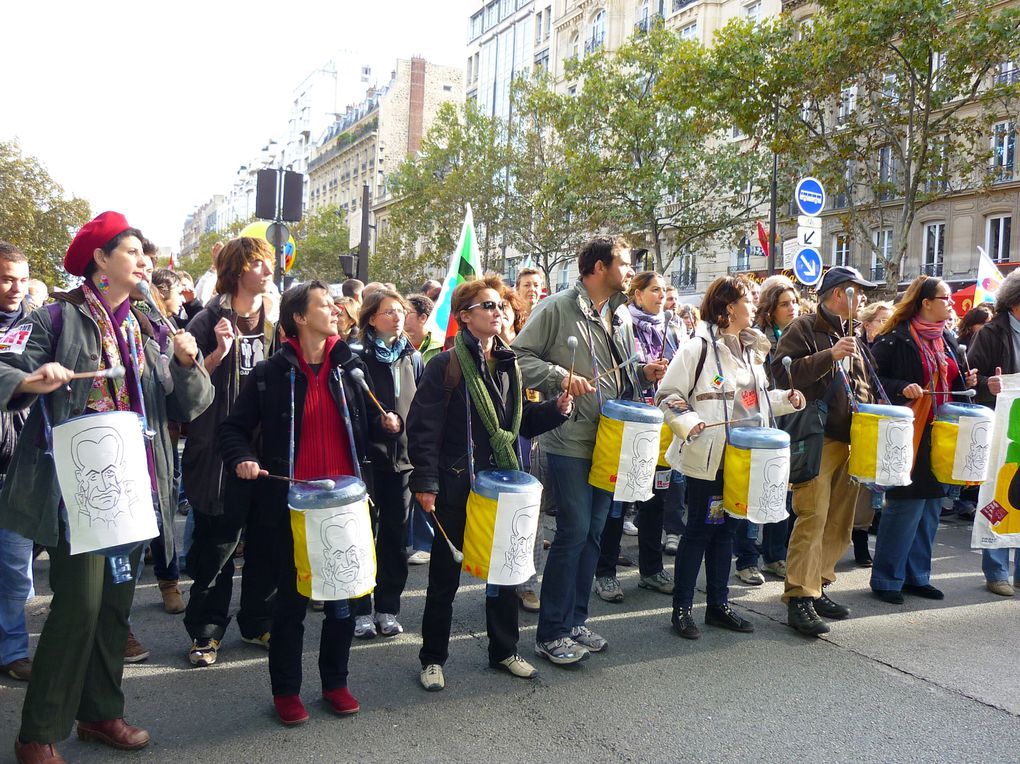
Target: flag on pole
(763,239)
(465,263)
(988,278)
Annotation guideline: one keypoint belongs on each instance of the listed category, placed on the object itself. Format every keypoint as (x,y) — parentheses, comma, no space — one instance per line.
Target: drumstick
(143,287)
(359,376)
(787,363)
(326,485)
(668,315)
(963,354)
(458,556)
(850,310)
(633,359)
(114,372)
(572,344)
(752,418)
(963,393)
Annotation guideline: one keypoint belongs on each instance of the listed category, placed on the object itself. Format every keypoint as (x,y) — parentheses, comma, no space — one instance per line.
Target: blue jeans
(995,564)
(419,532)
(774,537)
(15,591)
(675,505)
(570,567)
(903,546)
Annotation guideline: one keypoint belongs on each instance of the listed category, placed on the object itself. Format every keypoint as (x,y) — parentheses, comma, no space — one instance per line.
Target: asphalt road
(923,682)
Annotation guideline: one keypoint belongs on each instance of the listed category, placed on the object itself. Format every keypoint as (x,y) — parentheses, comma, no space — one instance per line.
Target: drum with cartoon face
(500,528)
(627,448)
(882,445)
(960,439)
(756,474)
(334,551)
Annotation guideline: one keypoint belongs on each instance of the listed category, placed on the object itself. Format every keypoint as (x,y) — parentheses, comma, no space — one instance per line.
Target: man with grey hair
(827,365)
(995,352)
(15,550)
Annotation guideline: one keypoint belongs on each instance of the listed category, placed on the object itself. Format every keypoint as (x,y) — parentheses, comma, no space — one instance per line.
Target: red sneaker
(341,701)
(290,709)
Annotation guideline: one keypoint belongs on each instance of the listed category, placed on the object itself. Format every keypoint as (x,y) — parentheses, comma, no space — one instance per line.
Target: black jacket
(898,363)
(258,427)
(201,465)
(437,428)
(388,451)
(992,349)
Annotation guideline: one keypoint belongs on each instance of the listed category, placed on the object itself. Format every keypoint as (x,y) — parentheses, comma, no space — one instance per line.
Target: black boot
(826,608)
(724,617)
(801,615)
(683,623)
(862,555)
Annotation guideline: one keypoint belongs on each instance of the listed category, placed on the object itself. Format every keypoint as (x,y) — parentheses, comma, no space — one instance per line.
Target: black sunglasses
(487,305)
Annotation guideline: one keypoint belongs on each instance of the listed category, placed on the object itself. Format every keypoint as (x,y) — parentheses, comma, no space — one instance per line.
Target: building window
(1003,151)
(887,175)
(575,45)
(598,33)
(840,249)
(542,61)
(1008,73)
(883,246)
(997,239)
(934,250)
(753,12)
(538,27)
(841,198)
(678,4)
(685,277)
(689,32)
(847,103)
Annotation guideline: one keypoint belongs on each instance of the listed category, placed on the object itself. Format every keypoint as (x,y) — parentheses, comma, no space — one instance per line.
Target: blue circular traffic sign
(807,266)
(810,196)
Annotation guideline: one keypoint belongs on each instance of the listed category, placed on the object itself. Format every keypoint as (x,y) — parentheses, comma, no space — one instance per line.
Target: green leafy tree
(321,237)
(201,261)
(35,213)
(891,103)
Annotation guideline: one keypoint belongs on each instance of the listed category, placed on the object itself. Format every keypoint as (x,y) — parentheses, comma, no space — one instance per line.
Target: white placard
(767,486)
(970,462)
(894,452)
(341,551)
(790,249)
(808,237)
(639,452)
(103,475)
(512,560)
(984,534)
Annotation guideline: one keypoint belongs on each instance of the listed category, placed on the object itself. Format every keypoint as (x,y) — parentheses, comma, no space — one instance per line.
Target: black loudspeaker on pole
(279,197)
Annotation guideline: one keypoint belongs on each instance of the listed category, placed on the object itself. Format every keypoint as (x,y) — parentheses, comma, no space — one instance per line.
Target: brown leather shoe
(115,733)
(36,753)
(173,602)
(20,669)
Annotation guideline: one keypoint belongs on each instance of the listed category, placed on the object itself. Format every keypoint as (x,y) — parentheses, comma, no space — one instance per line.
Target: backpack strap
(55,309)
(451,379)
(700,367)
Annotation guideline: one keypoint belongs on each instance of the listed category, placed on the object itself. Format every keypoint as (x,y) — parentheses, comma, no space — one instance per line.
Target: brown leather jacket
(808,341)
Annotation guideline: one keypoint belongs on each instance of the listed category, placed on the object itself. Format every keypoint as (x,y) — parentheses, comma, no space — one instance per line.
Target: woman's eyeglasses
(488,305)
(394,313)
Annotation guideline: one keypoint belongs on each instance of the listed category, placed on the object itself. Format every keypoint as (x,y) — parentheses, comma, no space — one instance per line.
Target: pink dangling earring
(104,282)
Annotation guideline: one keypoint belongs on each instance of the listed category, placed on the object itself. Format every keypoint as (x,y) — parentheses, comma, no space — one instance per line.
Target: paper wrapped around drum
(756,474)
(882,445)
(502,520)
(626,450)
(103,475)
(665,440)
(334,551)
(997,522)
(960,438)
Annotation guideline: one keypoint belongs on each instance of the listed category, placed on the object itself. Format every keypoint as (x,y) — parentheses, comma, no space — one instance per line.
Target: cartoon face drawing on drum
(895,459)
(644,453)
(773,494)
(103,494)
(977,453)
(522,539)
(342,563)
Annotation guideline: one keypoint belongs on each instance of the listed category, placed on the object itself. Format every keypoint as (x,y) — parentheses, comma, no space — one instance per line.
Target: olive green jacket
(30,500)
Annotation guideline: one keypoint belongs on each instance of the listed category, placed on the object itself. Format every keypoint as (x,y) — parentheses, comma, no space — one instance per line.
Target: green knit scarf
(502,441)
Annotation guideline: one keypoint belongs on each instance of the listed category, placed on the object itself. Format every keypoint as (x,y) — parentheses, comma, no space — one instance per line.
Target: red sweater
(325,448)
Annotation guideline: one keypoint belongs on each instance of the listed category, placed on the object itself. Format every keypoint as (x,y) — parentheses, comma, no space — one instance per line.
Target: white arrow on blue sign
(810,196)
(807,266)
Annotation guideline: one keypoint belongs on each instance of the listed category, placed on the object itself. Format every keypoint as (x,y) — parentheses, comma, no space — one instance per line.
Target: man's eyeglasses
(488,305)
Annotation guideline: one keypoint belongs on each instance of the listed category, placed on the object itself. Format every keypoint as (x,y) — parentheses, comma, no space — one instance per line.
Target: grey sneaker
(608,588)
(432,678)
(364,627)
(751,576)
(777,568)
(672,544)
(388,624)
(561,651)
(660,582)
(582,635)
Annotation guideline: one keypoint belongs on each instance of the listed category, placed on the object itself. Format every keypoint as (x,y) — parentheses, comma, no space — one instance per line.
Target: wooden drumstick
(359,376)
(458,556)
(114,372)
(633,359)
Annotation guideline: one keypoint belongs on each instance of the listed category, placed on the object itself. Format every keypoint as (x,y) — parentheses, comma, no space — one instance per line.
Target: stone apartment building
(371,138)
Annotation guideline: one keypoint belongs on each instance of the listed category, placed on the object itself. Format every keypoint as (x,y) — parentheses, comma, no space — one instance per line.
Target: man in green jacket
(594,312)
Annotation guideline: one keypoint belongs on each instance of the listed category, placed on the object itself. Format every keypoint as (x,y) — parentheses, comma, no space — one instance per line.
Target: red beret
(94,234)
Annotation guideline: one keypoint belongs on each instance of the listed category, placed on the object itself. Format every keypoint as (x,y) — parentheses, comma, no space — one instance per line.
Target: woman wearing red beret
(79,662)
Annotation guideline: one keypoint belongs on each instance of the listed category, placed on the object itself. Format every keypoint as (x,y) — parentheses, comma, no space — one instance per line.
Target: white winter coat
(702,457)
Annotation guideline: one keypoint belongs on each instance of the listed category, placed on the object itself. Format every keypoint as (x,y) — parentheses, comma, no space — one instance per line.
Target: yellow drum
(502,520)
(960,439)
(756,474)
(334,551)
(627,448)
(882,445)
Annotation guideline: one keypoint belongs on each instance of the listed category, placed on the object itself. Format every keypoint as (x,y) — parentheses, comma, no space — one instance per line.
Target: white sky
(149,108)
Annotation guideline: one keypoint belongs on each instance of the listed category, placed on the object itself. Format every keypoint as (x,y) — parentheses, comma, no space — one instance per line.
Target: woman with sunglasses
(917,362)
(438,443)
(395,367)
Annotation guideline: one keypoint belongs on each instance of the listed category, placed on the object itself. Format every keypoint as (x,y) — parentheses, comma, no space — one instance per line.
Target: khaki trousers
(825,516)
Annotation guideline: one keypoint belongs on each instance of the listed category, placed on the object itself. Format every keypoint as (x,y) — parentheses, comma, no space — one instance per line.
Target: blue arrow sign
(810,196)
(807,266)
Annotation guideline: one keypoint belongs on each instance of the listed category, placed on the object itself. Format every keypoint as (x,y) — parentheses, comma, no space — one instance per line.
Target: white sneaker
(364,627)
(751,576)
(432,678)
(517,666)
(419,558)
(388,624)
(777,568)
(562,651)
(595,643)
(629,529)
(672,544)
